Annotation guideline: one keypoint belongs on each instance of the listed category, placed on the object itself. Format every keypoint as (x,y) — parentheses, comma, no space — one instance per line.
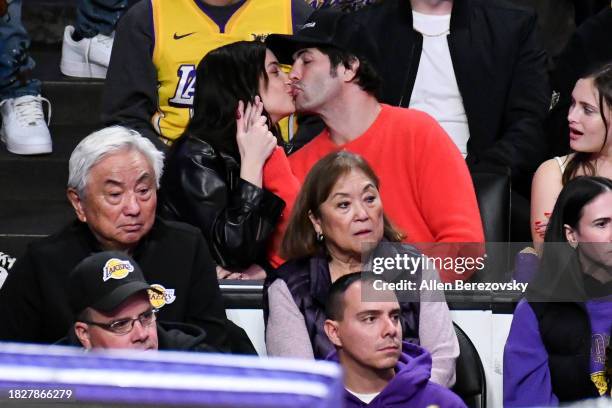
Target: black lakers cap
(103,281)
(325,28)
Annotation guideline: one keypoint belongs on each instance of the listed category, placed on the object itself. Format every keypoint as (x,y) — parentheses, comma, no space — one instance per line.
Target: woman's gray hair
(104,142)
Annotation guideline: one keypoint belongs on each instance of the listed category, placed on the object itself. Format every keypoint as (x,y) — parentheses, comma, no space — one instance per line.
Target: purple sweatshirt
(526,373)
(600,313)
(410,387)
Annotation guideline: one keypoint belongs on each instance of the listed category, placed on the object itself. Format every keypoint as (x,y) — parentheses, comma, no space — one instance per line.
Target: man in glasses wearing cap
(425,183)
(114,308)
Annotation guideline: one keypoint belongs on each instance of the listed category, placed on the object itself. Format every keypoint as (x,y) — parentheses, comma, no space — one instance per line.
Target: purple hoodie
(410,387)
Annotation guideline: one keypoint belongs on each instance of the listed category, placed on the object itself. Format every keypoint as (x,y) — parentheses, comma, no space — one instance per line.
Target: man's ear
(570,235)
(82,332)
(349,73)
(316,223)
(77,204)
(331,329)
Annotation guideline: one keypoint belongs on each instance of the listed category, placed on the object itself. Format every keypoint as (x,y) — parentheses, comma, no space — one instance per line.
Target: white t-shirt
(367,398)
(435,89)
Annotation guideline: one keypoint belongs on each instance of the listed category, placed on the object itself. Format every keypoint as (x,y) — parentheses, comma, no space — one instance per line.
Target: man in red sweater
(425,184)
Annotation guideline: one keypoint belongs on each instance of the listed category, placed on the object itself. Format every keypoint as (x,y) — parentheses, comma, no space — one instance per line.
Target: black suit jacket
(500,69)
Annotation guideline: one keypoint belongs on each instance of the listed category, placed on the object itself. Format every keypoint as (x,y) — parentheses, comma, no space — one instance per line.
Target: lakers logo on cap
(116,268)
(160,296)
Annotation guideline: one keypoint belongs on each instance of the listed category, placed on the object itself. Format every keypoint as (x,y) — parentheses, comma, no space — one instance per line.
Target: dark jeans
(15,63)
(95,17)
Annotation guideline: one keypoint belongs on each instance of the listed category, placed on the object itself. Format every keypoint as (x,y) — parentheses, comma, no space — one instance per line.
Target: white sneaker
(87,58)
(24,129)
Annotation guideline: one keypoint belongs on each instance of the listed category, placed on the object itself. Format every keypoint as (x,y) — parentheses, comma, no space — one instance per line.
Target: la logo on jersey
(185,87)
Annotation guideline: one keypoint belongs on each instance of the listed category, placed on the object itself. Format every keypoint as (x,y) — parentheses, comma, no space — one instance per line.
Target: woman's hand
(255,141)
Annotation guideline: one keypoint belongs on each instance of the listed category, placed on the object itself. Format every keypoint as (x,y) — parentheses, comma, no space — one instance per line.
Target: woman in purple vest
(556,349)
(337,214)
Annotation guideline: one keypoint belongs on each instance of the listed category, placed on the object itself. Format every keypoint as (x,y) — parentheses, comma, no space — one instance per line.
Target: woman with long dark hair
(556,349)
(213,176)
(590,127)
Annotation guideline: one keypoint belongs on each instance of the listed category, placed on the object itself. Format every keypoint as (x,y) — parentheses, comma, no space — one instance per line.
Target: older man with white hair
(112,184)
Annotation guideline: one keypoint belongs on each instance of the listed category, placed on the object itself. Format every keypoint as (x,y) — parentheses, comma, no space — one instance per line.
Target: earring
(573,244)
(319,237)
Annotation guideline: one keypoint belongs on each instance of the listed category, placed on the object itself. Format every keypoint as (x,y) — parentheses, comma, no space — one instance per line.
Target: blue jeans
(95,17)
(15,63)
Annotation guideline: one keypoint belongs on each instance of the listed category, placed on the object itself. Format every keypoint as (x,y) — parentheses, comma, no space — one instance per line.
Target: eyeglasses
(124,326)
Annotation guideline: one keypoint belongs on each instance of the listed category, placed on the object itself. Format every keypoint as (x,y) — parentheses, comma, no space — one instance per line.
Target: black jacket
(569,348)
(500,70)
(34,302)
(170,336)
(204,188)
(557,296)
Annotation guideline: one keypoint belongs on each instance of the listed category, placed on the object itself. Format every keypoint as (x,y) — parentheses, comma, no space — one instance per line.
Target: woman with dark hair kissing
(213,176)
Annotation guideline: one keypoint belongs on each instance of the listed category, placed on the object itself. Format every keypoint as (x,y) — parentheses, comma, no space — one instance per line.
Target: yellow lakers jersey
(184,34)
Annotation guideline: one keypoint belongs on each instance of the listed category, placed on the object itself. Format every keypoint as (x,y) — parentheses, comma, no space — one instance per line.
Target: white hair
(104,142)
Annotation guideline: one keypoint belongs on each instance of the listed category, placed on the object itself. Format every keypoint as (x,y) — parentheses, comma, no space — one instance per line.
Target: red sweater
(278,179)
(425,186)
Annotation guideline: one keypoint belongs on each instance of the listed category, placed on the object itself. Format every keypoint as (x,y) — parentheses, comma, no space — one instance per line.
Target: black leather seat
(471,383)
(492,185)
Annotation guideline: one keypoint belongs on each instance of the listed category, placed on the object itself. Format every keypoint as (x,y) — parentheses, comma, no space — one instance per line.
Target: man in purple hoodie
(379,370)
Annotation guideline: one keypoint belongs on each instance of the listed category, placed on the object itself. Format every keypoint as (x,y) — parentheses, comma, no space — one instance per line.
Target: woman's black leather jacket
(203,187)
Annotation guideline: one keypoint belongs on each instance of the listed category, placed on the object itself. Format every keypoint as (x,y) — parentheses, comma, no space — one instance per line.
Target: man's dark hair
(84,316)
(334,307)
(366,76)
